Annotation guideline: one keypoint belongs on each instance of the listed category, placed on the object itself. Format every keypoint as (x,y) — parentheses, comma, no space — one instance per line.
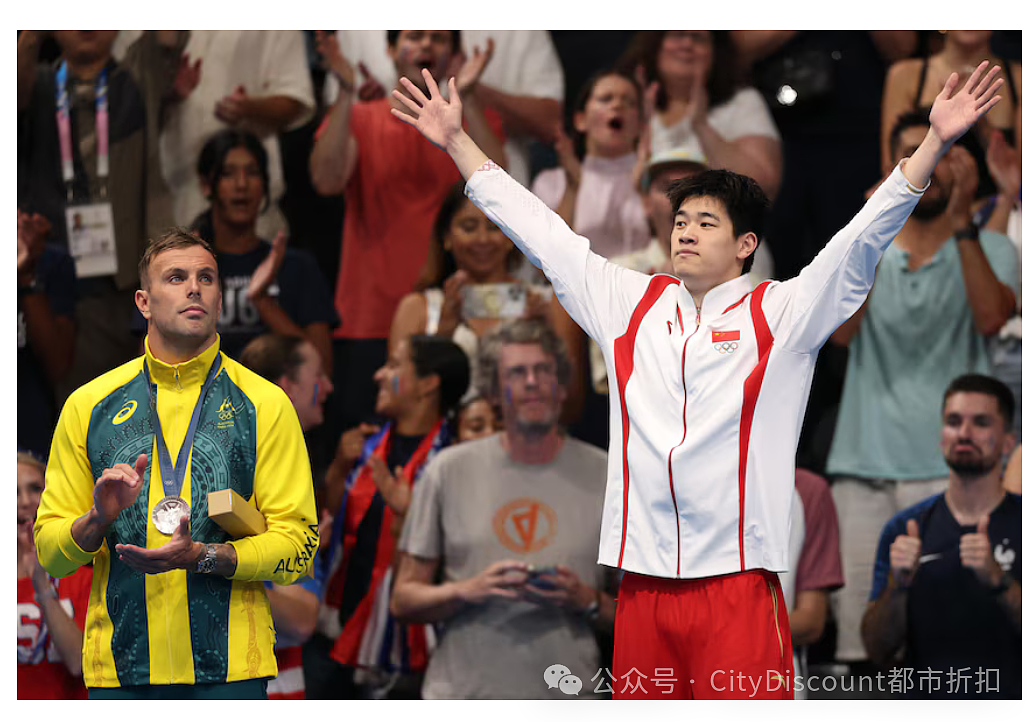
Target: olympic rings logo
(726,347)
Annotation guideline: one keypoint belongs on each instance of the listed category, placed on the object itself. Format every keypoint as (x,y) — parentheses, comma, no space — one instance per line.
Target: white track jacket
(705,413)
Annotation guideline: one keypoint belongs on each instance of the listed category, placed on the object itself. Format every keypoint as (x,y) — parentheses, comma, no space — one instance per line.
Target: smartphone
(493,300)
(535,577)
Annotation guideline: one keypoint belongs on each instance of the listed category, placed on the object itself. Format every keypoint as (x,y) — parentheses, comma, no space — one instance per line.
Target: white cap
(672,157)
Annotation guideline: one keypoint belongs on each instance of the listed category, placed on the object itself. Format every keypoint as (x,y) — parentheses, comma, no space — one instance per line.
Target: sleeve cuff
(68,546)
(903,180)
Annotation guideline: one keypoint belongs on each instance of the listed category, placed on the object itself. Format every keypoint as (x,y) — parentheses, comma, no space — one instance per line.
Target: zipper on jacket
(176,376)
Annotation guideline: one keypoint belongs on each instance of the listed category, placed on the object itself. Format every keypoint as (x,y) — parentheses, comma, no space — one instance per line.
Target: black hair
(741,196)
(443,259)
(443,358)
(210,164)
(393,38)
(585,92)
(915,118)
(988,385)
(722,82)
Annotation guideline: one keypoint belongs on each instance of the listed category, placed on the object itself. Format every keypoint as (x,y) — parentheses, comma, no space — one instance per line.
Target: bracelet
(345,85)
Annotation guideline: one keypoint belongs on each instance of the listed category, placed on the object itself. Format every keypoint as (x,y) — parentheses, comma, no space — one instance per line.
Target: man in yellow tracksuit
(177,608)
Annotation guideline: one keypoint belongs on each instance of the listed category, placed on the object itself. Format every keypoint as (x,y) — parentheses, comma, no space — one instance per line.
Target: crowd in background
(338,226)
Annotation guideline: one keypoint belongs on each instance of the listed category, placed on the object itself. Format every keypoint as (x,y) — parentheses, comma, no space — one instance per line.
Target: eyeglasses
(517,374)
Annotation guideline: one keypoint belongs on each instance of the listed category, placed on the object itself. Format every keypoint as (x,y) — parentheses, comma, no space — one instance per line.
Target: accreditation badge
(91,239)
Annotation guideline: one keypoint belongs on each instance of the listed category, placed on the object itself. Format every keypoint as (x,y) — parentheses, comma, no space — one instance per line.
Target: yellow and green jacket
(180,627)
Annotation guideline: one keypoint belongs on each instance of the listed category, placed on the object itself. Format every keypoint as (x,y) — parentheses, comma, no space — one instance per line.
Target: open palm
(951,116)
(437,118)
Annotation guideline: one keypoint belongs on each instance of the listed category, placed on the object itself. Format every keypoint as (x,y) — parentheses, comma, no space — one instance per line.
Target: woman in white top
(469,255)
(702,107)
(594,189)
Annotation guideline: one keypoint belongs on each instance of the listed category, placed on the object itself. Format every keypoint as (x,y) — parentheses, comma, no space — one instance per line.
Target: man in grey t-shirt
(512,521)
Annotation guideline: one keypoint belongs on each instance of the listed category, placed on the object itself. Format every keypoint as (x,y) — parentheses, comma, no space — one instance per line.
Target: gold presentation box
(229,510)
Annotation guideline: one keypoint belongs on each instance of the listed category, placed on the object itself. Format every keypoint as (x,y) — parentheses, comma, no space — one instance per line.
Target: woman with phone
(476,288)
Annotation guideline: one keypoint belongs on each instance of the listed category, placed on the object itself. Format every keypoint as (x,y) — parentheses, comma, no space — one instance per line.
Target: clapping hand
(180,552)
(470,69)
(117,489)
(266,271)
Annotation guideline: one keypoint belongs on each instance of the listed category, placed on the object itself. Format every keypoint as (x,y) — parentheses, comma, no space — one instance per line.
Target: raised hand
(333,59)
(265,273)
(371,89)
(964,174)
(699,102)
(975,553)
(350,445)
(470,71)
(394,489)
(437,119)
(117,488)
(32,230)
(1003,163)
(187,77)
(954,113)
(452,304)
(565,152)
(904,554)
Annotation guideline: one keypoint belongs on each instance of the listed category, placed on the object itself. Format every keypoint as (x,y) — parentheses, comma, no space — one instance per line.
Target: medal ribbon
(172,478)
(64,128)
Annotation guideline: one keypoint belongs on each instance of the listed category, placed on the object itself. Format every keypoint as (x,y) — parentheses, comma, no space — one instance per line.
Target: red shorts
(725,637)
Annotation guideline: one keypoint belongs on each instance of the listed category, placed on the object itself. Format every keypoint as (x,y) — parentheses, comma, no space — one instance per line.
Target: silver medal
(167,514)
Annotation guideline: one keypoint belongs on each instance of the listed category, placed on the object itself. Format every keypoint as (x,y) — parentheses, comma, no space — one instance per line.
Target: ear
(1009,443)
(143,303)
(746,245)
(285,383)
(578,121)
(428,384)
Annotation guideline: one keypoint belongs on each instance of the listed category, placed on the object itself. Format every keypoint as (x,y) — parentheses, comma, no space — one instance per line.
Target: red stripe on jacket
(751,391)
(624,348)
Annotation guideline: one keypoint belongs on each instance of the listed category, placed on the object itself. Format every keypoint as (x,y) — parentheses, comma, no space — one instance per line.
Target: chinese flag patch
(720,336)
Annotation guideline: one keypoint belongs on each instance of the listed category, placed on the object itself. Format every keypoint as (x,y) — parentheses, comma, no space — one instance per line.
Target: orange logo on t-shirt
(525,526)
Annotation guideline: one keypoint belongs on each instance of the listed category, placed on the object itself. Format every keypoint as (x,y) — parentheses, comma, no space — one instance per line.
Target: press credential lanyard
(172,478)
(64,128)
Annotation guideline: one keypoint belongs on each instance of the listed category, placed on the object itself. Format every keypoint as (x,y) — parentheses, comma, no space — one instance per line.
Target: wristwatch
(969,233)
(1003,584)
(206,564)
(592,612)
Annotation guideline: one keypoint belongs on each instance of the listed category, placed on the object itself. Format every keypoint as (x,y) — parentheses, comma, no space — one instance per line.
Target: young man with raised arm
(710,379)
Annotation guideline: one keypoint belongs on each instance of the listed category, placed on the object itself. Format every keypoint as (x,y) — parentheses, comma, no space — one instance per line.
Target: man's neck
(86,69)
(229,238)
(418,421)
(924,237)
(532,448)
(970,499)
(170,352)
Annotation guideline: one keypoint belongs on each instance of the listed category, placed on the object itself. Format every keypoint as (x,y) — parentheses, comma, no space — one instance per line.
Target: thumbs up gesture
(904,554)
(975,553)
